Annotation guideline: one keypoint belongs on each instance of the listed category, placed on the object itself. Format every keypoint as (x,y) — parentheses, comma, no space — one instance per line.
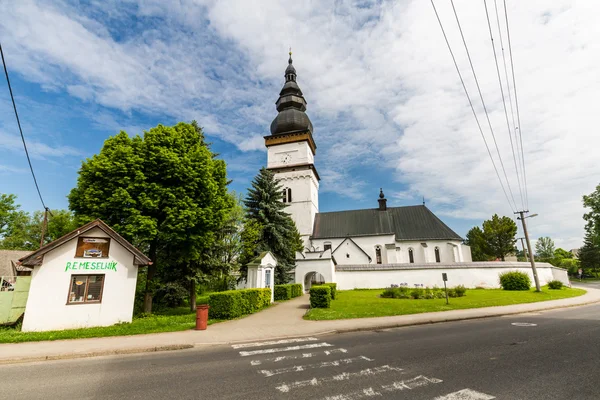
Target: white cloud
(381,88)
(35,148)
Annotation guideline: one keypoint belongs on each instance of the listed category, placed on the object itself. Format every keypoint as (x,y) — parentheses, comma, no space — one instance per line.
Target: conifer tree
(273,229)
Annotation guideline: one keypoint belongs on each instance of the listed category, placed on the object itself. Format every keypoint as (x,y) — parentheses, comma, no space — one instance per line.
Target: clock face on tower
(286,158)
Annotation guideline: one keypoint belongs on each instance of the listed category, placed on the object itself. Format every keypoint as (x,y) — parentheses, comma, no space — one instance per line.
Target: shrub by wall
(515,280)
(283,292)
(296,289)
(235,303)
(555,285)
(320,296)
(333,287)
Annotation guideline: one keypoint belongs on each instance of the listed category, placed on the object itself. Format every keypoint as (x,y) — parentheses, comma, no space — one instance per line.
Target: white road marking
(408,384)
(324,364)
(286,387)
(466,394)
(294,357)
(280,349)
(523,324)
(273,342)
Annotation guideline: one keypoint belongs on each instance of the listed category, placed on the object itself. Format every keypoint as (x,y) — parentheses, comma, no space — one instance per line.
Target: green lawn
(367,303)
(179,319)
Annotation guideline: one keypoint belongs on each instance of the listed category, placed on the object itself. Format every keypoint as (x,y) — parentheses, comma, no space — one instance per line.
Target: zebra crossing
(293,370)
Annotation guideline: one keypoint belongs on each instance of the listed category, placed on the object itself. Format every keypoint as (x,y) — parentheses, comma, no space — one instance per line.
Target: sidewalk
(280,321)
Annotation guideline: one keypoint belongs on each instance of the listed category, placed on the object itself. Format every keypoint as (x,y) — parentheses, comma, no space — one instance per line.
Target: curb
(68,356)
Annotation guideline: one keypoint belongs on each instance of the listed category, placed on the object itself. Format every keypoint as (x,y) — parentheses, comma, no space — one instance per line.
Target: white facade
(291,162)
(48,305)
(261,274)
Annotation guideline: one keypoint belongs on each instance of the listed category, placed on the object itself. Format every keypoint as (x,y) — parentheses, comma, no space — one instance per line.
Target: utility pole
(524,252)
(535,275)
(44,225)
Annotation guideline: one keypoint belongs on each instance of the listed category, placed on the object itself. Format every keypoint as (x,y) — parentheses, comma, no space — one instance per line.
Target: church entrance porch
(313,278)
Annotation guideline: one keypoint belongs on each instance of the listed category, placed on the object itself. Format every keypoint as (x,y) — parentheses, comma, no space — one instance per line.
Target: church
(369,239)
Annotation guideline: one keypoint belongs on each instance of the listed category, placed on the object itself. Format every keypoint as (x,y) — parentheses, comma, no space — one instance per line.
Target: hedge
(320,296)
(333,287)
(515,280)
(296,289)
(235,303)
(283,292)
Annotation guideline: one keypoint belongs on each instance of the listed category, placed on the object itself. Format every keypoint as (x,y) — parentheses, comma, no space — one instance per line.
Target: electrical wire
(472,107)
(512,67)
(483,103)
(504,103)
(20,129)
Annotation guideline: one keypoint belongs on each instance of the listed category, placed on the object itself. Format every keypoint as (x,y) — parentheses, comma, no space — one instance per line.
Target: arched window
(411,256)
(437,255)
(378,254)
(285,195)
(289,195)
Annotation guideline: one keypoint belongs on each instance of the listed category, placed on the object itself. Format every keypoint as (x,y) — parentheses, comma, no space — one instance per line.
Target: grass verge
(179,319)
(367,303)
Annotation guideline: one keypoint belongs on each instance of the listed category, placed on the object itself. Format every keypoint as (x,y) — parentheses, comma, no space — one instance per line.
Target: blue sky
(382,92)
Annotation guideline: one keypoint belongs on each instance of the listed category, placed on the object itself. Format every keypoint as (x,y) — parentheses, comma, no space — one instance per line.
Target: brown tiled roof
(36,257)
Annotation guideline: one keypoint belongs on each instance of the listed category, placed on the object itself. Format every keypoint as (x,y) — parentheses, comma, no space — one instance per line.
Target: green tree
(560,254)
(476,241)
(8,208)
(544,249)
(277,230)
(166,192)
(499,234)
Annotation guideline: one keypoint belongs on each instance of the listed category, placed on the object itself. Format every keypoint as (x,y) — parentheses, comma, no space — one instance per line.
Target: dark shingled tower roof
(406,223)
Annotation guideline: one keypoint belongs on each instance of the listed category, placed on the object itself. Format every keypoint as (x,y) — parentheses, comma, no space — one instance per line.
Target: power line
(504,103)
(512,113)
(512,67)
(483,103)
(471,104)
(21,130)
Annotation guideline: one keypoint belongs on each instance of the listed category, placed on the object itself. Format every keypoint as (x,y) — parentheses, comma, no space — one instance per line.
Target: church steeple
(291,106)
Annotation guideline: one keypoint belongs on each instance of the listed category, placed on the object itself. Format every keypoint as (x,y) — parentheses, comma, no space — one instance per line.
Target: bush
(452,293)
(235,303)
(333,287)
(283,292)
(202,300)
(515,280)
(296,289)
(460,290)
(417,294)
(555,285)
(388,293)
(320,296)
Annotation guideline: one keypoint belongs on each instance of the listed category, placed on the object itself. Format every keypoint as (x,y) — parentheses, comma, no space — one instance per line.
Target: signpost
(445,278)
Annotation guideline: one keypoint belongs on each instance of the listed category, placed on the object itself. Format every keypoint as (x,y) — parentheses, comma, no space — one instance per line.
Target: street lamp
(522,217)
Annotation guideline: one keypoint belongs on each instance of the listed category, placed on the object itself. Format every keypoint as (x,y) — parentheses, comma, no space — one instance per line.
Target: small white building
(86,278)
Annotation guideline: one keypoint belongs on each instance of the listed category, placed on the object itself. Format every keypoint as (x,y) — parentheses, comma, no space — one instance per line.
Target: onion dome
(291,106)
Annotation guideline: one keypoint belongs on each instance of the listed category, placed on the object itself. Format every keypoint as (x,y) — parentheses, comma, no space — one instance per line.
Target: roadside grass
(166,320)
(367,303)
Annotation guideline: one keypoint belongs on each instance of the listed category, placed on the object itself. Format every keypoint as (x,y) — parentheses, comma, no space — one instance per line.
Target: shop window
(437,255)
(411,256)
(91,247)
(378,254)
(86,289)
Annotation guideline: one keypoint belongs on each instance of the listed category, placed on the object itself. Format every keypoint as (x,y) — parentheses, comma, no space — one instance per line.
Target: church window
(327,246)
(347,255)
(411,256)
(289,195)
(378,254)
(285,195)
(437,255)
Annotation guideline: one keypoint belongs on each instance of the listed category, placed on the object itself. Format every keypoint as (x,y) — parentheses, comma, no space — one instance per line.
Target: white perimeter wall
(47,307)
(470,276)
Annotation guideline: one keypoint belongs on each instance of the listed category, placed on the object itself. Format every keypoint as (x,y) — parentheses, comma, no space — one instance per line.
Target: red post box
(202,317)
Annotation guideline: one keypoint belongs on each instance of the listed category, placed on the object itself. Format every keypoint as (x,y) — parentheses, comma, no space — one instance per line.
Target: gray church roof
(406,223)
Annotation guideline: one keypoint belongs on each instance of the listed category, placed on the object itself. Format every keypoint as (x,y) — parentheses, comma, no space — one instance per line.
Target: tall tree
(276,229)
(499,234)
(544,248)
(8,208)
(164,191)
(476,241)
(589,254)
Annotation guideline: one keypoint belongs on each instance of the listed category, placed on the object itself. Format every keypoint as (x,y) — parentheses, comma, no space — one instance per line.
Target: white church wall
(323,266)
(305,202)
(289,154)
(471,275)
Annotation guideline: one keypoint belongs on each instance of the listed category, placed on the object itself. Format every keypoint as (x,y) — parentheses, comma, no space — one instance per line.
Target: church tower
(291,155)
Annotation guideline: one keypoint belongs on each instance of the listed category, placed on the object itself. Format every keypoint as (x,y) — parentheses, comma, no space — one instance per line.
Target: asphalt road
(557,358)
